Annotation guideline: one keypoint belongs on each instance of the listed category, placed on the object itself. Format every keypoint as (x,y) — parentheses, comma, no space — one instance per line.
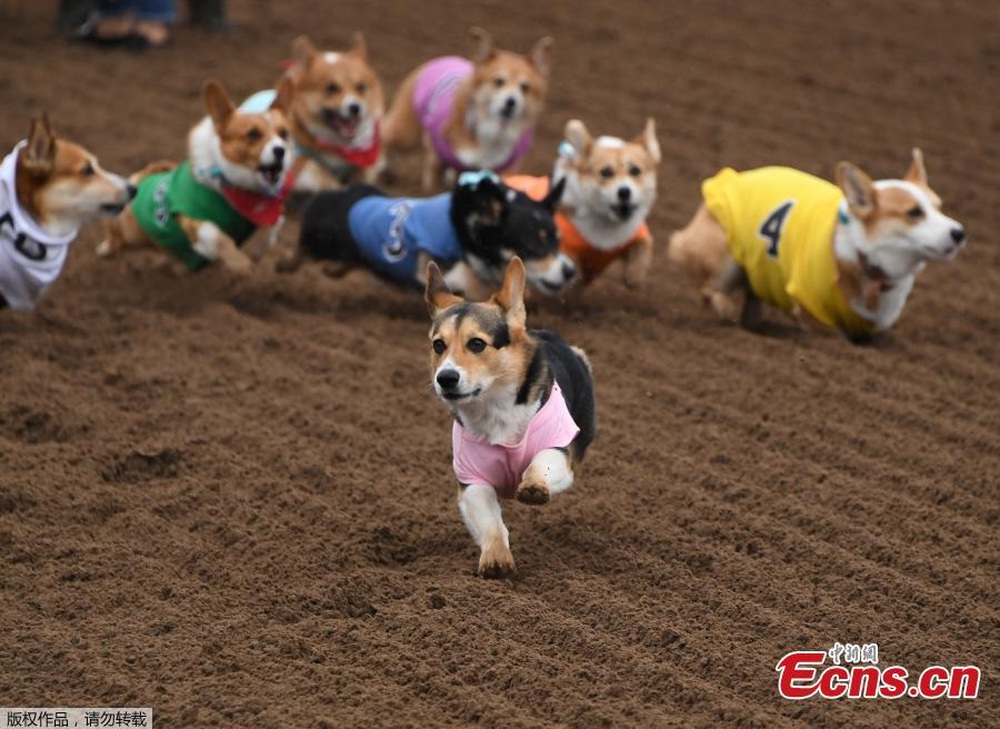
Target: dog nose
(354,108)
(448,379)
(131,190)
(279,153)
(568,270)
(509,104)
(958,235)
(624,193)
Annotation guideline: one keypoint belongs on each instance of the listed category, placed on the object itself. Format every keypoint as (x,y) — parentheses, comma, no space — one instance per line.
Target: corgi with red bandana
(470,114)
(523,403)
(335,113)
(49,187)
(841,256)
(235,180)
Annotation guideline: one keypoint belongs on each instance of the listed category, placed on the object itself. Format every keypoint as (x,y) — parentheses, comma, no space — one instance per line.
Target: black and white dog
(474,231)
(523,403)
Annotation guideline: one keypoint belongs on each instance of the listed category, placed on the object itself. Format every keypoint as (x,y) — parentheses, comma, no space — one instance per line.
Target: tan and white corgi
(843,256)
(523,403)
(336,114)
(235,180)
(610,190)
(49,187)
(477,114)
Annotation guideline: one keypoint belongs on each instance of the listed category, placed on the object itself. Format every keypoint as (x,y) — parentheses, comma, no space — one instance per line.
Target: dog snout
(354,109)
(958,235)
(624,193)
(448,379)
(131,190)
(568,269)
(278,152)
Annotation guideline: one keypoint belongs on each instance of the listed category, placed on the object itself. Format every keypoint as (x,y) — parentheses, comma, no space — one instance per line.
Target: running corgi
(843,256)
(235,180)
(477,114)
(610,190)
(523,403)
(49,187)
(335,113)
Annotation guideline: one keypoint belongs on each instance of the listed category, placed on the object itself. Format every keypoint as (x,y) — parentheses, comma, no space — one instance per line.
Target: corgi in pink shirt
(523,403)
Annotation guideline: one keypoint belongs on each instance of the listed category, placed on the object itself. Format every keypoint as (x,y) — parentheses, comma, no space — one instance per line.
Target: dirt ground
(233,502)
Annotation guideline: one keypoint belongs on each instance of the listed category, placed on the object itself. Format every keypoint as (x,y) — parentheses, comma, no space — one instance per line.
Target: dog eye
(283,133)
(254,134)
(475,345)
(634,171)
(607,172)
(525,87)
(915,212)
(332,88)
(88,170)
(499,81)
(361,87)
(439,346)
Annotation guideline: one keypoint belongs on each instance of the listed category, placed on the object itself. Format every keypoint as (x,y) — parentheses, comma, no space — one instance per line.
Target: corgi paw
(533,493)
(495,564)
(238,265)
(725,306)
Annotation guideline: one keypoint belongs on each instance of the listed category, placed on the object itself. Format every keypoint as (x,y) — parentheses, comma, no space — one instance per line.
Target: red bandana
(256,207)
(357,157)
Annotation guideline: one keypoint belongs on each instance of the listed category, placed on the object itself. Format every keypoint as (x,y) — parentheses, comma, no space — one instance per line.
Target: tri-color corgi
(236,179)
(523,403)
(49,187)
(477,114)
(843,256)
(610,190)
(335,112)
(474,230)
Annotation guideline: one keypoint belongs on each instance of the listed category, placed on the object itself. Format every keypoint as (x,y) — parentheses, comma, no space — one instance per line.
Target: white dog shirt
(30,258)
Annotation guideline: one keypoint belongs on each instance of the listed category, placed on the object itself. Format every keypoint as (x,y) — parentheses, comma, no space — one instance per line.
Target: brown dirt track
(232,501)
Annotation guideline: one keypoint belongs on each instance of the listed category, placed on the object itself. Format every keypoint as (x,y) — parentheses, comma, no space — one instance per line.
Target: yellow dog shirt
(779,225)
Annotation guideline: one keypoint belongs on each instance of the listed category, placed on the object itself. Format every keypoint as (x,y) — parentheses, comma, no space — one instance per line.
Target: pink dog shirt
(503,466)
(433,99)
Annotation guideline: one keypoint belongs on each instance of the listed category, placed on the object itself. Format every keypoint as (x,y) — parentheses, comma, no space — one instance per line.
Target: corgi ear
(217,103)
(551,201)
(510,297)
(485,49)
(302,50)
(437,294)
(578,136)
(283,98)
(917,174)
(541,55)
(858,189)
(648,140)
(360,47)
(39,156)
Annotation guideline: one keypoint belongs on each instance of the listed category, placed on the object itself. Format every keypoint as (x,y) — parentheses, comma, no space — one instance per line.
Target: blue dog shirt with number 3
(392,232)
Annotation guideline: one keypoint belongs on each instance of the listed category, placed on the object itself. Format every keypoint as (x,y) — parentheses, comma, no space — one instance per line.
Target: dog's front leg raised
(550,473)
(480,509)
(210,241)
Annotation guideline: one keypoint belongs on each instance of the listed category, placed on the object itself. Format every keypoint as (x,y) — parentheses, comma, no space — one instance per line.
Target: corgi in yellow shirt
(843,256)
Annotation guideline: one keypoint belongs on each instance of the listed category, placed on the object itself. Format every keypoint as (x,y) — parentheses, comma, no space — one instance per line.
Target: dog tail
(163,165)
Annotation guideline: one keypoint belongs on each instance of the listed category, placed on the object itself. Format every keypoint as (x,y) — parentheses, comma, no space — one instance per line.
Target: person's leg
(152,18)
(113,21)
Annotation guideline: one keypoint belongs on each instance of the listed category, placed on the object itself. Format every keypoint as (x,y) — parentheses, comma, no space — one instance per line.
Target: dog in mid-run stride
(523,403)
(49,187)
(475,229)
(841,256)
